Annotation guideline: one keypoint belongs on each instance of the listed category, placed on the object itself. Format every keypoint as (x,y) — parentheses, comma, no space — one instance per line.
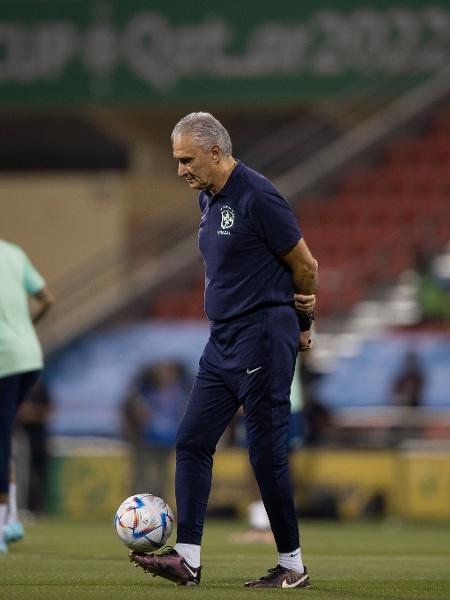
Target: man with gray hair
(260,281)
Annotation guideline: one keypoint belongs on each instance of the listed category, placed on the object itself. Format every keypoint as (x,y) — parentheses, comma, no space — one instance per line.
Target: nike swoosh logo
(250,371)
(285,584)
(189,570)
(296,554)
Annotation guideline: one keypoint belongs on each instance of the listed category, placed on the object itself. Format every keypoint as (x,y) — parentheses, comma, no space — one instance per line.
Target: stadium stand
(374,367)
(101,365)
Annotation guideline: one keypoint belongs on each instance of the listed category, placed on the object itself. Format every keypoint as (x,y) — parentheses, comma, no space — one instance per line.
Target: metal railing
(365,135)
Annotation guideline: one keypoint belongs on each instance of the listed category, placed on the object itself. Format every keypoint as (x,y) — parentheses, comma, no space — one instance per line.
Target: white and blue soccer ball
(144,522)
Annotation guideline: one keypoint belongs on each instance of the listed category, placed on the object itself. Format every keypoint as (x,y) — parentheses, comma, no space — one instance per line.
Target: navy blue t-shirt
(243,230)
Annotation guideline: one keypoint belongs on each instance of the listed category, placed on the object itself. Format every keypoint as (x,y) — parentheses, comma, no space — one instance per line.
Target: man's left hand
(305,343)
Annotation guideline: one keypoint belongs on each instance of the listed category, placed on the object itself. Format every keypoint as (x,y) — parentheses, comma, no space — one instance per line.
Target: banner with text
(111,51)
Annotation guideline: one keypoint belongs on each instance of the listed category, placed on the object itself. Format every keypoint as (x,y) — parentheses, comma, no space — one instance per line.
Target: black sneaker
(169,564)
(280,577)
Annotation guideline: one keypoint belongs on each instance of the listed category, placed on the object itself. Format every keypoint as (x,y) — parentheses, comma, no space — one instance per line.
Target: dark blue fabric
(243,230)
(248,361)
(13,389)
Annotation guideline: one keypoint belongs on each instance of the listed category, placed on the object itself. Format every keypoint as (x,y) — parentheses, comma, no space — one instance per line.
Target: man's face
(196,165)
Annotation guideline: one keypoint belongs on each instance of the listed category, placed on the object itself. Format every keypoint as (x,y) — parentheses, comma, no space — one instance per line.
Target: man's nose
(182,171)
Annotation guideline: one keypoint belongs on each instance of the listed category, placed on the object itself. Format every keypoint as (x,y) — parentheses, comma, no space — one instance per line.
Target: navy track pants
(247,361)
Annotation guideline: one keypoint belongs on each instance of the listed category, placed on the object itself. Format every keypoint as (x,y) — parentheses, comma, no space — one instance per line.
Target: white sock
(190,552)
(257,516)
(12,503)
(3,517)
(292,560)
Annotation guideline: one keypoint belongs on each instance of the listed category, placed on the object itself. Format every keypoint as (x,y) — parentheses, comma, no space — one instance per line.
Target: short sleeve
(32,280)
(274,221)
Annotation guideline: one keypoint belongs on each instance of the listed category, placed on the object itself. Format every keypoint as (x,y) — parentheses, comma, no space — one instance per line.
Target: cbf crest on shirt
(227,215)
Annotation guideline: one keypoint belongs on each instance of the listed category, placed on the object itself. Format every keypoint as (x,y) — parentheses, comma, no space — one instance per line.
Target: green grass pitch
(62,559)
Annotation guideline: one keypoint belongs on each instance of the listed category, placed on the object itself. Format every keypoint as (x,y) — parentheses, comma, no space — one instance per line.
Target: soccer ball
(144,522)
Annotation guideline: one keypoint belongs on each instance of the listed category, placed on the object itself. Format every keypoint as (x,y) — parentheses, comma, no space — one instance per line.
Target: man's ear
(216,154)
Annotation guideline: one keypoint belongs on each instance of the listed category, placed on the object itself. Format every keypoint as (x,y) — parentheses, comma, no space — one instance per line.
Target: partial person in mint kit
(20,364)
(260,283)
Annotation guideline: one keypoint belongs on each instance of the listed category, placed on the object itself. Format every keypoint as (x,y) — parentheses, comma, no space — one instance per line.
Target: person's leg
(267,431)
(157,467)
(12,495)
(259,529)
(259,525)
(13,390)
(210,408)
(9,395)
(267,413)
(38,461)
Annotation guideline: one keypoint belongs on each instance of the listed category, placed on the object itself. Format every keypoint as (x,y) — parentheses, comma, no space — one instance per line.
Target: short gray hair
(205,130)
